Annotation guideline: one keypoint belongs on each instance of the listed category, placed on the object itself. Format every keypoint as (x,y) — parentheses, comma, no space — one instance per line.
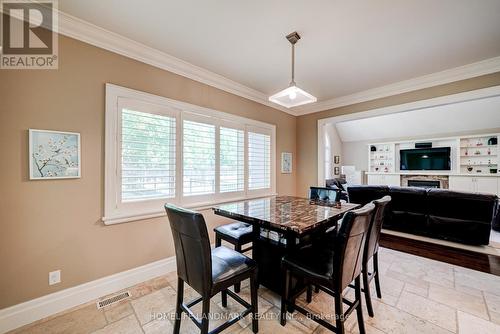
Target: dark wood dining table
(281,224)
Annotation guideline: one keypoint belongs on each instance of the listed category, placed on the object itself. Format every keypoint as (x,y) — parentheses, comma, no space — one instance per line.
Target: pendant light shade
(292,96)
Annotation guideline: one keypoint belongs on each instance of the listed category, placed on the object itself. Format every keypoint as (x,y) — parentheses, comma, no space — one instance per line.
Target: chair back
(192,247)
(371,245)
(323,194)
(350,245)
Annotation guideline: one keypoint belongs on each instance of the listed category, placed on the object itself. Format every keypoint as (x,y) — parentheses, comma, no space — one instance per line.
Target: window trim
(117,212)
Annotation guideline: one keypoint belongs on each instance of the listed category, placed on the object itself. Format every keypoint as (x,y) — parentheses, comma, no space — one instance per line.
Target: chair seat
(240,232)
(315,261)
(227,263)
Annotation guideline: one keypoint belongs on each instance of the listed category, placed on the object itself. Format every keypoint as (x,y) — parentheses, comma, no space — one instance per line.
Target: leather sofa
(437,213)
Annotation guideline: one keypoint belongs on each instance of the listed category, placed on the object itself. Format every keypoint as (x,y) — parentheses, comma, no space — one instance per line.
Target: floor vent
(113,299)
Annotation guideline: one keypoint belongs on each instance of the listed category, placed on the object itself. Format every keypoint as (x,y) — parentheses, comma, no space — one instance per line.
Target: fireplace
(425,181)
(424,184)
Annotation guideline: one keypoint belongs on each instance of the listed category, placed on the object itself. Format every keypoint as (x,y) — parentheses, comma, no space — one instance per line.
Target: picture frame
(54,154)
(286,162)
(336,170)
(336,159)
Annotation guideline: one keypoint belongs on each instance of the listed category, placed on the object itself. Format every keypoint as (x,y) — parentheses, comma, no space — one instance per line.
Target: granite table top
(285,213)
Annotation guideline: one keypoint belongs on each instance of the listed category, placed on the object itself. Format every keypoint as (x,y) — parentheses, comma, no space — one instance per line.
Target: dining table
(280,225)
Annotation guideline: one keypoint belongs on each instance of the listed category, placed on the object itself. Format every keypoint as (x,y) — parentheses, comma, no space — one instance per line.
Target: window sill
(119,219)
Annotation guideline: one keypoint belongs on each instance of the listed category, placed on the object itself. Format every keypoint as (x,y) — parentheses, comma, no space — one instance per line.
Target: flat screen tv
(425,159)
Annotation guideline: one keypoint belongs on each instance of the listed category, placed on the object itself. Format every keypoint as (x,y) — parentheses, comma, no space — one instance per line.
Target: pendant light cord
(293,65)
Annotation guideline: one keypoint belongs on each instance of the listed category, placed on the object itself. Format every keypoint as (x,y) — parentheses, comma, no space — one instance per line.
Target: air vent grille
(113,299)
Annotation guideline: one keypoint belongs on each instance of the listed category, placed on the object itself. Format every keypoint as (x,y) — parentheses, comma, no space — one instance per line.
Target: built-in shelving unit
(381,158)
(479,155)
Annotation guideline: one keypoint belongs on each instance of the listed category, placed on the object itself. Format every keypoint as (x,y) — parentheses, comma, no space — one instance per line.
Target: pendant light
(292,96)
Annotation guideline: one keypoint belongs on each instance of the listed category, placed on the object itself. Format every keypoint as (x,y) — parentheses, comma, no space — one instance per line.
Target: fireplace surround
(425,181)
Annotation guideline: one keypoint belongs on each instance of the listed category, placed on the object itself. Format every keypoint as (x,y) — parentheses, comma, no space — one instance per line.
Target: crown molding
(87,32)
(483,67)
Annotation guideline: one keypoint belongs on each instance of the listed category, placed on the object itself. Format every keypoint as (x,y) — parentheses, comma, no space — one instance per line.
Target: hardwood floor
(478,261)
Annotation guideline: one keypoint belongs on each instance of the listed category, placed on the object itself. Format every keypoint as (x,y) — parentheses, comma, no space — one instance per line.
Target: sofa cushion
(363,194)
(461,205)
(459,230)
(459,216)
(409,199)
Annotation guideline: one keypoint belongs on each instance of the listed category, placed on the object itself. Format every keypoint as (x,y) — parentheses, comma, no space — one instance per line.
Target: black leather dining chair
(371,251)
(207,271)
(332,265)
(238,234)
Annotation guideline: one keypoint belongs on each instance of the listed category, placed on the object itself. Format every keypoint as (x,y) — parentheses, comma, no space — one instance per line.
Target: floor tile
(128,325)
(391,320)
(478,280)
(418,289)
(459,300)
(431,311)
(152,306)
(269,323)
(84,320)
(468,323)
(492,302)
(159,326)
(118,311)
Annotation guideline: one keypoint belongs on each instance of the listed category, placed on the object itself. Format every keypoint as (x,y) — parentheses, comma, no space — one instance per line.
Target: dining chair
(238,234)
(331,265)
(207,271)
(371,251)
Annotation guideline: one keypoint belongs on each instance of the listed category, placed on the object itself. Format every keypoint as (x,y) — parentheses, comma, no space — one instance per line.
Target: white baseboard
(22,314)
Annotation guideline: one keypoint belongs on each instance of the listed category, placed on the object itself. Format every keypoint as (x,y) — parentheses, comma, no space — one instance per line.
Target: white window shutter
(198,158)
(147,156)
(259,161)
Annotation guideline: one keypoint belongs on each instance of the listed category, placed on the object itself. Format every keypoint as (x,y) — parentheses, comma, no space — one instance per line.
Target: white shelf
(481,146)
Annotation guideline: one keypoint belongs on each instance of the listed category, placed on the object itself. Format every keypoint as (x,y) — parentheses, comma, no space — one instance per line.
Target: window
(160,150)
(198,158)
(147,156)
(259,161)
(232,163)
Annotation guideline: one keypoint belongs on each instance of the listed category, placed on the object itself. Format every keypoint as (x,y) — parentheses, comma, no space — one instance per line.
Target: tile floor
(418,296)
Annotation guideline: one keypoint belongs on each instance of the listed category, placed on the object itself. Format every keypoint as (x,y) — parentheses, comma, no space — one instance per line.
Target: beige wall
(307,125)
(49,225)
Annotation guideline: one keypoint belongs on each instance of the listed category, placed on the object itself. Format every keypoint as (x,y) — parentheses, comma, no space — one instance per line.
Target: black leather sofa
(437,213)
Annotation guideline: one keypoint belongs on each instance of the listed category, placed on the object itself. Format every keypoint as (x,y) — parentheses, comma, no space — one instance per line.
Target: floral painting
(286,162)
(54,154)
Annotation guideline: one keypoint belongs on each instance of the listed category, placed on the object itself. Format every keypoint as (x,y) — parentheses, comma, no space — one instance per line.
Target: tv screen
(425,159)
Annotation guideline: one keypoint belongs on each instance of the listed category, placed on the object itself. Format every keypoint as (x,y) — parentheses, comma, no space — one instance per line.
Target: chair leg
(316,288)
(359,308)
(178,310)
(205,314)
(377,275)
(218,241)
(237,286)
(284,295)
(223,297)
(339,314)
(254,302)
(366,288)
(309,293)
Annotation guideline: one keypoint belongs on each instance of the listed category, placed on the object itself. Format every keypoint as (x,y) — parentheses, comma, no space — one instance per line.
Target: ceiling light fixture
(292,96)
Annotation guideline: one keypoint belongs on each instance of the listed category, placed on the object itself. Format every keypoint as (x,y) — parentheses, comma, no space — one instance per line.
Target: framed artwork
(336,170)
(54,155)
(286,162)
(336,159)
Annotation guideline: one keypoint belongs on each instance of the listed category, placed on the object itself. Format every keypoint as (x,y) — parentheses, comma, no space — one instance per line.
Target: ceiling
(346,46)
(441,120)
